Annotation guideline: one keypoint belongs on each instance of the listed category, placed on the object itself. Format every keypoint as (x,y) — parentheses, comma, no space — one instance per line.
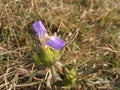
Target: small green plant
(50,46)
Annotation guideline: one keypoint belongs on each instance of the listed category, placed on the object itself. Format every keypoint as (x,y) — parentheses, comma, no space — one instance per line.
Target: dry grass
(91,29)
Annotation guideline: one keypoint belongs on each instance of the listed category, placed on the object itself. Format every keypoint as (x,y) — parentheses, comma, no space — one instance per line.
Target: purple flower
(40,29)
(55,42)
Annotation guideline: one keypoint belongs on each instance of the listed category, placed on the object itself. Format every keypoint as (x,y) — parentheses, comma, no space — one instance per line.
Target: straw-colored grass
(90,28)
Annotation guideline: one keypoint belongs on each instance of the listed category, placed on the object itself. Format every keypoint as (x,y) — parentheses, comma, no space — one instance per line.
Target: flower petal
(40,29)
(55,42)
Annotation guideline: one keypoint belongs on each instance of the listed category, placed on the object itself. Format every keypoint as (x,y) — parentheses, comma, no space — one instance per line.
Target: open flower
(51,46)
(54,41)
